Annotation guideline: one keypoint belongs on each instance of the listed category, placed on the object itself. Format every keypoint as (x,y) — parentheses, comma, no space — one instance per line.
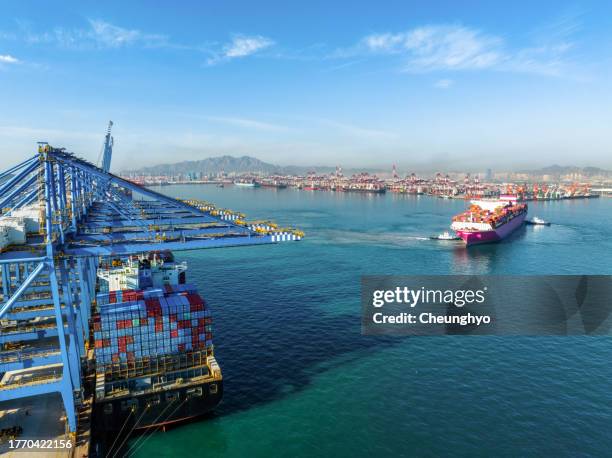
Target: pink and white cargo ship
(487,221)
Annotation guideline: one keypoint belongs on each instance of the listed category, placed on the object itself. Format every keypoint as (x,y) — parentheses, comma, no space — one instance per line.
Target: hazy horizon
(429,86)
(385,168)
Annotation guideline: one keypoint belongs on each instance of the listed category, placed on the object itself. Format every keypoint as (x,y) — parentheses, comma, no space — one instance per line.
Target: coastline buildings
(526,186)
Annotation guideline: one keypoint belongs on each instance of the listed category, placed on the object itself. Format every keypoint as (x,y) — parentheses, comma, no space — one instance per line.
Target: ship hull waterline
(185,408)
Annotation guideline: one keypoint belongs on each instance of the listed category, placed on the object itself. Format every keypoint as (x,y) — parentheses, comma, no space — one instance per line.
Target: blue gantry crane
(62,215)
(107,152)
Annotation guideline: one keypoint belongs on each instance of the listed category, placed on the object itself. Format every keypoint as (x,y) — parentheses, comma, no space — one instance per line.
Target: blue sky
(426,85)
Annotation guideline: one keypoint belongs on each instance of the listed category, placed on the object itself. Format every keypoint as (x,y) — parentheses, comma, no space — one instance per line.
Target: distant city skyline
(427,86)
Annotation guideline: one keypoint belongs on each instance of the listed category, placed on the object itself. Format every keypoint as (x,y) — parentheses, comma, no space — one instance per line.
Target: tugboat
(537,222)
(445,236)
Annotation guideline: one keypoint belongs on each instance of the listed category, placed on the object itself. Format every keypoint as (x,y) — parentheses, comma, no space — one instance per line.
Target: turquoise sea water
(301,380)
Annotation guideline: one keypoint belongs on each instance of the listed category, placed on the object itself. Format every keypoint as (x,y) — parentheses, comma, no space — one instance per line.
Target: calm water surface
(300,379)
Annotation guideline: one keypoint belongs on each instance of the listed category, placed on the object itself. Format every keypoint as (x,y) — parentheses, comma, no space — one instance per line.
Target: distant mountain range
(213,165)
(245,164)
(232,164)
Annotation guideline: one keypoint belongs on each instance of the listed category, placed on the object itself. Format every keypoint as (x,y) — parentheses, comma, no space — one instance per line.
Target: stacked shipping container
(132,325)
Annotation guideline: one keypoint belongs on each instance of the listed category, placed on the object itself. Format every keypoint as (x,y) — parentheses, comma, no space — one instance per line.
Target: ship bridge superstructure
(60,217)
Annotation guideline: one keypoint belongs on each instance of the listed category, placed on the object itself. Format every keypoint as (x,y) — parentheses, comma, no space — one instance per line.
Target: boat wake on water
(365,238)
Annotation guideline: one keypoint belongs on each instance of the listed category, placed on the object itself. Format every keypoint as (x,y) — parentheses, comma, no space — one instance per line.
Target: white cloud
(241,46)
(244,46)
(247,123)
(111,35)
(8,59)
(444,83)
(100,34)
(432,48)
(358,131)
(383,42)
(440,47)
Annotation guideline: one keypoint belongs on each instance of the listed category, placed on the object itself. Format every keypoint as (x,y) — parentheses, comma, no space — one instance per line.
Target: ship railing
(153,365)
(32,380)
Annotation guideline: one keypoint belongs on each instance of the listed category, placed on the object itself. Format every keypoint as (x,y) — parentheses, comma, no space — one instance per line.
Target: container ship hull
(158,409)
(365,190)
(273,185)
(494,235)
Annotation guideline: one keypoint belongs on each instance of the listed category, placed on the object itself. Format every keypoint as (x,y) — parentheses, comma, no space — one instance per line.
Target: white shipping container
(31,217)
(4,237)
(13,229)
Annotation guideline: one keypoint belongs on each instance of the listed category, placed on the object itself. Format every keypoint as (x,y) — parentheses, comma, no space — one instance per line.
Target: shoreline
(375,192)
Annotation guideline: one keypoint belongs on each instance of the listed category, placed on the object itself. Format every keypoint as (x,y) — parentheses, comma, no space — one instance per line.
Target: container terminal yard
(440,185)
(101,333)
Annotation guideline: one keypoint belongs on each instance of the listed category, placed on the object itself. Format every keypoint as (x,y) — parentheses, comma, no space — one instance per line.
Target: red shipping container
(184,324)
(174,333)
(99,344)
(194,299)
(195,307)
(152,303)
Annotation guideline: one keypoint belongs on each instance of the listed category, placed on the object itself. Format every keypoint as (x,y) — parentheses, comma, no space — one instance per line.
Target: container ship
(247,183)
(372,189)
(273,182)
(153,352)
(489,221)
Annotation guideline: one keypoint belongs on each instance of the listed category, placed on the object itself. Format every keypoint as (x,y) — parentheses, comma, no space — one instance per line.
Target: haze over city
(362,85)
